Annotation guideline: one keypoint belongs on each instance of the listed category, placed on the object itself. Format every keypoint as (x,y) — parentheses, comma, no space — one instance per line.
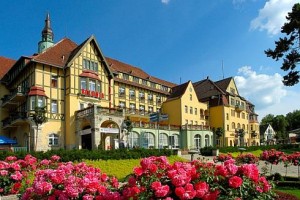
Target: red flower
(187,192)
(201,188)
(235,182)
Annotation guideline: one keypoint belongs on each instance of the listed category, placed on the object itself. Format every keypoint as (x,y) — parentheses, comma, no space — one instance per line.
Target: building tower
(47,36)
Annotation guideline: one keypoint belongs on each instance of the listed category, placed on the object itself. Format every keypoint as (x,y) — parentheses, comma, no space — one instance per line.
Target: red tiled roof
(58,54)
(140,85)
(5,65)
(178,91)
(118,66)
(89,74)
(36,90)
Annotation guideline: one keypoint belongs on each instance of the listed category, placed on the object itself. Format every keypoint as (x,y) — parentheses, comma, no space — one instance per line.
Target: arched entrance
(110,135)
(86,138)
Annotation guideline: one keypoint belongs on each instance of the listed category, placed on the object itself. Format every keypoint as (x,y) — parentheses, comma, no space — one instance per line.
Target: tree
(219,132)
(39,117)
(268,119)
(293,119)
(279,125)
(289,47)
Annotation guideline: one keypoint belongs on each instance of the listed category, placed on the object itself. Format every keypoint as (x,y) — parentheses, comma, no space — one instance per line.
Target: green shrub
(77,155)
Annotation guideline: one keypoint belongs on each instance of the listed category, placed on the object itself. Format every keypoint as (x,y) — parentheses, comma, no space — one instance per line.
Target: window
(186,109)
(195,111)
(144,82)
(40,101)
(131,94)
(54,106)
(135,79)
(227,116)
(83,83)
(163,140)
(53,139)
(121,91)
(142,110)
(32,103)
(92,85)
(132,107)
(232,90)
(197,141)
(150,109)
(232,113)
(54,81)
(191,97)
(90,65)
(125,76)
(150,98)
(233,125)
(152,84)
(227,127)
(158,99)
(191,110)
(133,139)
(232,101)
(147,140)
(142,96)
(164,88)
(206,140)
(122,104)
(81,106)
(239,126)
(238,115)
(174,141)
(243,115)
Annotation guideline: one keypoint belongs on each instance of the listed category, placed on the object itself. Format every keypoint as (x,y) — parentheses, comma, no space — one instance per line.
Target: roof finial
(47,35)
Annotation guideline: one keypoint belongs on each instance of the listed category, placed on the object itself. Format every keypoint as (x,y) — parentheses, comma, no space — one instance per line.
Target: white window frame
(54,107)
(53,139)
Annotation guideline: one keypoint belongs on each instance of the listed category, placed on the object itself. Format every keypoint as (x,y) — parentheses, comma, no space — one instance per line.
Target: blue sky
(176,40)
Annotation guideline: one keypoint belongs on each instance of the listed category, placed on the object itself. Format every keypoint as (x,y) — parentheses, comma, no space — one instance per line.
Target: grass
(289,190)
(122,168)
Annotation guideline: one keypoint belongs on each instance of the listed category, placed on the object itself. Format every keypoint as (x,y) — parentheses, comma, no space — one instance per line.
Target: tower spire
(47,36)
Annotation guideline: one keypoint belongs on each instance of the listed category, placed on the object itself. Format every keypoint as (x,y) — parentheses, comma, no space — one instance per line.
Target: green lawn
(289,190)
(122,168)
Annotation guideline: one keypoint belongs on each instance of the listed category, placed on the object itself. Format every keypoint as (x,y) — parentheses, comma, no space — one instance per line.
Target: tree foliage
(293,118)
(288,47)
(268,119)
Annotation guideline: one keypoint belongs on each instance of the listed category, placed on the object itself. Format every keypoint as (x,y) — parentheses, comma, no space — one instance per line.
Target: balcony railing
(14,119)
(196,127)
(91,111)
(12,99)
(239,107)
(154,126)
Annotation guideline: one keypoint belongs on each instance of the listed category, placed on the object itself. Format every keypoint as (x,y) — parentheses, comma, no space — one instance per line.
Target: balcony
(12,100)
(98,110)
(196,127)
(16,119)
(239,108)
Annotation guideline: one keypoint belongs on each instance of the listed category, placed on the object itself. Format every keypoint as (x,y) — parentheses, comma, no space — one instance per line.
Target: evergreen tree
(288,47)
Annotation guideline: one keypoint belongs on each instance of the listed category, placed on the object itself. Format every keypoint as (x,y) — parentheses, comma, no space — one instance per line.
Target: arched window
(53,139)
(233,125)
(197,141)
(133,139)
(174,141)
(148,140)
(238,125)
(243,127)
(206,140)
(163,140)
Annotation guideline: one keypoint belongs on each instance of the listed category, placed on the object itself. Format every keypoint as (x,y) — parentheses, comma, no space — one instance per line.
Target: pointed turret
(47,36)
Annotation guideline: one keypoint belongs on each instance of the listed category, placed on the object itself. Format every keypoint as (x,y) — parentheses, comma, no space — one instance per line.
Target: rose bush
(14,174)
(222,158)
(157,179)
(246,158)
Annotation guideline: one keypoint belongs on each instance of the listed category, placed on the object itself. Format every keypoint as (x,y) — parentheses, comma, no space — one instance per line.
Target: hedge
(83,154)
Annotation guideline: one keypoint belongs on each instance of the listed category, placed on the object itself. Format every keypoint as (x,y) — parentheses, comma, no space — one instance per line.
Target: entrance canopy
(6,140)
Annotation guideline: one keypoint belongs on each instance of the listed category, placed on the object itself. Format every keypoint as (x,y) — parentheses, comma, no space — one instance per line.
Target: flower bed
(155,178)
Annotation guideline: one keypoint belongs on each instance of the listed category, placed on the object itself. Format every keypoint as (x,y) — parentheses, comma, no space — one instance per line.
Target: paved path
(292,170)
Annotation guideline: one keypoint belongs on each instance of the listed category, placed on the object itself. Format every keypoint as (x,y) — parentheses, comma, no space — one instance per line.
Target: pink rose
(235,182)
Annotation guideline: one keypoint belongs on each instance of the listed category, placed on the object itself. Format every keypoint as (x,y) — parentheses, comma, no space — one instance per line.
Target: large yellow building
(89,100)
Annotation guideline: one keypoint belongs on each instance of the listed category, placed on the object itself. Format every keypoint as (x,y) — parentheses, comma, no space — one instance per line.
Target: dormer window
(125,76)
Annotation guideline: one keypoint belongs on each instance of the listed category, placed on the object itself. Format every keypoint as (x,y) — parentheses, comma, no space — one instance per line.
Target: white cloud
(165,1)
(264,91)
(272,16)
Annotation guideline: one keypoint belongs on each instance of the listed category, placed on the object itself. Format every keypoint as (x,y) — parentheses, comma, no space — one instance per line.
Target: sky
(175,40)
